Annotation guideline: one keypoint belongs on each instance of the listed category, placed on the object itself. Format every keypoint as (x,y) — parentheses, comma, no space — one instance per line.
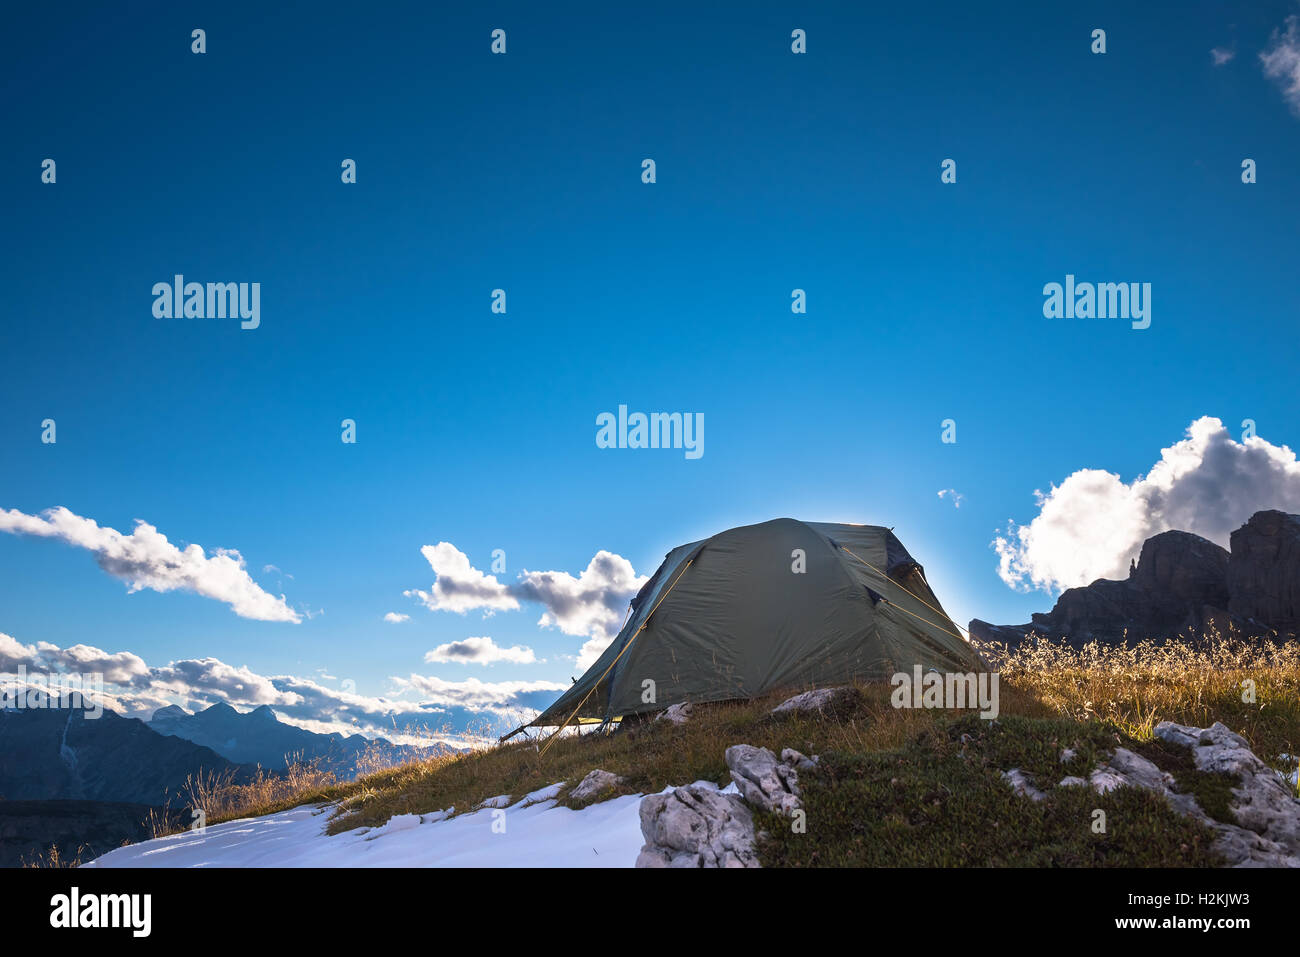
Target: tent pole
(506,737)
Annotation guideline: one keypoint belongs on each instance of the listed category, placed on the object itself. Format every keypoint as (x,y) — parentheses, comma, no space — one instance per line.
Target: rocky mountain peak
(1185,585)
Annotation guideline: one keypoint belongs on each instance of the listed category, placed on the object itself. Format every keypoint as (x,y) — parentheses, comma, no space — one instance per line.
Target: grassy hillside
(912,786)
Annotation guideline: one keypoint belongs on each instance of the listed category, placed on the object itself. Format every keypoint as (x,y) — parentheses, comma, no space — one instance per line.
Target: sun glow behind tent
(782,604)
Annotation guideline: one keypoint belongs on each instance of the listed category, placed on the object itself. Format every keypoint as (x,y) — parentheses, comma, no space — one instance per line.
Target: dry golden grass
(221,797)
(1194,683)
(55,858)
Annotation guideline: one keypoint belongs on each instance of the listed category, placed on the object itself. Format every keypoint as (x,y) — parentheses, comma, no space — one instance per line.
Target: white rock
(1267,829)
(1104,779)
(766,782)
(596,783)
(792,758)
(696,826)
(819,699)
(1021,784)
(677,714)
(1262,803)
(1138,771)
(1267,813)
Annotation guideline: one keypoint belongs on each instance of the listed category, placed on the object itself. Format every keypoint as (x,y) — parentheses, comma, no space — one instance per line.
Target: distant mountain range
(71,779)
(258,737)
(60,753)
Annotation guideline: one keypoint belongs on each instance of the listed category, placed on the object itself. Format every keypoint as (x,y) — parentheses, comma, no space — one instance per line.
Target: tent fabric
(728,617)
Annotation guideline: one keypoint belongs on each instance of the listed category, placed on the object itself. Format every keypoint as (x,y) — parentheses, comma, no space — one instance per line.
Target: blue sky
(775,171)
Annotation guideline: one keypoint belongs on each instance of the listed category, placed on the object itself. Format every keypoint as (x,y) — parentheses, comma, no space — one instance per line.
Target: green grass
(1213,792)
(940,801)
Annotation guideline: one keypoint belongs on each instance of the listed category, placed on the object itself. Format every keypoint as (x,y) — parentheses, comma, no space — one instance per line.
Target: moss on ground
(940,801)
(1213,792)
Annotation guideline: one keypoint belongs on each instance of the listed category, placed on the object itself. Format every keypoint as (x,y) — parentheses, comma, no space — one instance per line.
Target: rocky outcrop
(1182,585)
(595,784)
(696,826)
(700,826)
(767,782)
(987,633)
(830,700)
(1264,571)
(1177,575)
(1266,827)
(676,714)
(1104,610)
(1127,768)
(1264,807)
(1180,572)
(1022,785)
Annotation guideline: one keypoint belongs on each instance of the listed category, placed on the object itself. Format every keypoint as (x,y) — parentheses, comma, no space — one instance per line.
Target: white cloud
(146,559)
(459,586)
(952,493)
(592,605)
(210,680)
(119,668)
(479,651)
(1093,523)
(591,650)
(396,618)
(1281,61)
(125,671)
(1222,55)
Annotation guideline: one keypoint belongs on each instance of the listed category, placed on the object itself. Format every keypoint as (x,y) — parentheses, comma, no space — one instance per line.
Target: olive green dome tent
(782,604)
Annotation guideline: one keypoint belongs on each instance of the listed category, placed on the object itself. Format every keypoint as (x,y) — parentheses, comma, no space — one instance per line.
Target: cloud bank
(420,706)
(146,559)
(1093,523)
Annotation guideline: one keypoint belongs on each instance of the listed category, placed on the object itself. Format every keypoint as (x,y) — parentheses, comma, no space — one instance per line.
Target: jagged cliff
(1183,585)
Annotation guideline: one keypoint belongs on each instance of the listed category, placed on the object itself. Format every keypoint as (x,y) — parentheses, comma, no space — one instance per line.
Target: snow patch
(537,832)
